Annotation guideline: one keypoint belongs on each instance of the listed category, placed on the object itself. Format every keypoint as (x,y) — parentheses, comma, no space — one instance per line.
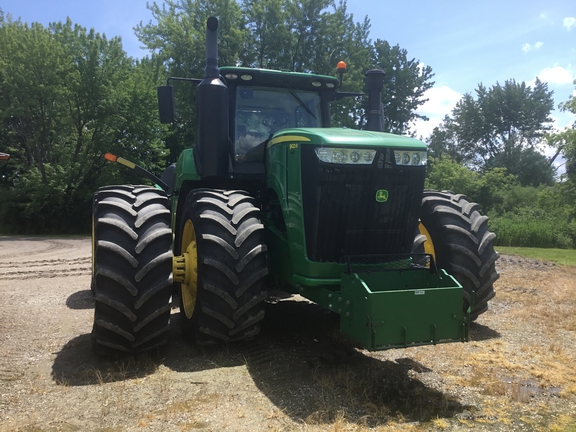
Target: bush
(529,230)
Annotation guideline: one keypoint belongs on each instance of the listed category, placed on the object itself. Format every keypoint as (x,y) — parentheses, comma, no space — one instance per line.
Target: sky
(465,42)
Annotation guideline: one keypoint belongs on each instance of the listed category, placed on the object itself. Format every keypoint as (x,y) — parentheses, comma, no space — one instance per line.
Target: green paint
(395,309)
(351,138)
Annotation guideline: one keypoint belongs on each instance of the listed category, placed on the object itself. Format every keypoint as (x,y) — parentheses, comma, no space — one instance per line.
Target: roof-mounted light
(246,77)
(231,76)
(341,67)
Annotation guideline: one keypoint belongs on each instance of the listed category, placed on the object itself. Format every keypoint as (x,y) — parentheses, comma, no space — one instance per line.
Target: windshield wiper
(302,104)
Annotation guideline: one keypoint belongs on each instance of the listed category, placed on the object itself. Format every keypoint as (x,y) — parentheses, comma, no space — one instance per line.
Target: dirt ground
(517,373)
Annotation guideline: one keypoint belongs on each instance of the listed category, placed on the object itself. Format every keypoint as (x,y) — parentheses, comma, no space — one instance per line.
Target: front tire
(461,243)
(132,269)
(222,299)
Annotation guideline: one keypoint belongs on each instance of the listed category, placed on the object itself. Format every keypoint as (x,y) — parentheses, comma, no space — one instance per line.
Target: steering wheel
(276,121)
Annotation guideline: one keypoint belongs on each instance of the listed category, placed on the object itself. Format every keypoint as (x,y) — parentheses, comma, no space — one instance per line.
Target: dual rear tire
(132,269)
(222,297)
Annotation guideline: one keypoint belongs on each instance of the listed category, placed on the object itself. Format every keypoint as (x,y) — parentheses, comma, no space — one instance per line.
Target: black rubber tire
(132,280)
(231,264)
(463,245)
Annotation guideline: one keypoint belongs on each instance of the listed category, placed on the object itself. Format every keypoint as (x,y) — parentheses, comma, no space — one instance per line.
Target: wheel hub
(185,269)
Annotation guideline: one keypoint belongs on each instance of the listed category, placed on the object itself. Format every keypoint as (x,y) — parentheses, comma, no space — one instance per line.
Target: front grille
(342,216)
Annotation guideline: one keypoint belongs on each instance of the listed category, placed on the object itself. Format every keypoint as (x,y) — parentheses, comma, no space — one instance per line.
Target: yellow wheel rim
(428,244)
(189,288)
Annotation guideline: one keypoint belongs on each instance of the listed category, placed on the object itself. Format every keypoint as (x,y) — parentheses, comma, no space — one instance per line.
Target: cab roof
(276,78)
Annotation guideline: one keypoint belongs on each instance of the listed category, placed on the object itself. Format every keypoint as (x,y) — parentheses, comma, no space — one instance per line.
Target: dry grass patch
(541,298)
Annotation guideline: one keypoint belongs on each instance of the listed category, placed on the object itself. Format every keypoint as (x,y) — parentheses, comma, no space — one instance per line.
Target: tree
(502,127)
(565,141)
(67,96)
(268,44)
(565,144)
(405,84)
(295,35)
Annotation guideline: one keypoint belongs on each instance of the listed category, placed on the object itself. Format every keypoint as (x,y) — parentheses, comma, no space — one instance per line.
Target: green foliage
(543,216)
(69,95)
(446,174)
(565,141)
(500,128)
(533,229)
(404,88)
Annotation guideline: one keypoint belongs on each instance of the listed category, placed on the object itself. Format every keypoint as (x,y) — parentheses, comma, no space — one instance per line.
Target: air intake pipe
(374,85)
(212,150)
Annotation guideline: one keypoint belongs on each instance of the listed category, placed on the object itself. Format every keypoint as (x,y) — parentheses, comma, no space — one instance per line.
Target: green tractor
(271,197)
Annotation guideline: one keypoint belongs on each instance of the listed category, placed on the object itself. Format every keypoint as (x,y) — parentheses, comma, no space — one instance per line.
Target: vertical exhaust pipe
(212,150)
(211,70)
(374,85)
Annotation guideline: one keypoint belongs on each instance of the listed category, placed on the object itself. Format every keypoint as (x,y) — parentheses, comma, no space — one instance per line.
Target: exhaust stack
(212,151)
(374,86)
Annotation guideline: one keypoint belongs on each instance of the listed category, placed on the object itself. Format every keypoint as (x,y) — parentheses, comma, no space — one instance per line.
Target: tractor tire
(132,269)
(222,231)
(461,243)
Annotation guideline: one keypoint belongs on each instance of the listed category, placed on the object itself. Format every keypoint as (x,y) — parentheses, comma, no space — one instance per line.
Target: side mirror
(166,104)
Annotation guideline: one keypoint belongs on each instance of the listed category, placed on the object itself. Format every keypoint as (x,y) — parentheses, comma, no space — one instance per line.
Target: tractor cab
(253,105)
(263,102)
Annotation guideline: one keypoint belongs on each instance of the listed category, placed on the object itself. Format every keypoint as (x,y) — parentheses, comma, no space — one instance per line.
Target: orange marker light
(110,157)
(341,66)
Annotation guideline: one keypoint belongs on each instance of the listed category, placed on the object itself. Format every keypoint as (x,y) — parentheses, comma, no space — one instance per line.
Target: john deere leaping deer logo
(382,195)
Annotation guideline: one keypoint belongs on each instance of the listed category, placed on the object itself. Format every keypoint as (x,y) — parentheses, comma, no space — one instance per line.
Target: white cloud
(569,22)
(527,47)
(556,75)
(441,102)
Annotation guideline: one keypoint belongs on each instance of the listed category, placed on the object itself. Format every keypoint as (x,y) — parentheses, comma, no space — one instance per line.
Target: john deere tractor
(271,197)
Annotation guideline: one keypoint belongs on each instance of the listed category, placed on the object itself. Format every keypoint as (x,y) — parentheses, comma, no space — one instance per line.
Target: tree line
(488,149)
(68,95)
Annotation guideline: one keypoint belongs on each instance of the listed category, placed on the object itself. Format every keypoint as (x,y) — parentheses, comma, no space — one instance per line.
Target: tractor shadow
(311,372)
(300,362)
(81,300)
(480,332)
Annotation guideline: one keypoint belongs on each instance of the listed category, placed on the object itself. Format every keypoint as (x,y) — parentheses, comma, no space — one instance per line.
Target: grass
(561,256)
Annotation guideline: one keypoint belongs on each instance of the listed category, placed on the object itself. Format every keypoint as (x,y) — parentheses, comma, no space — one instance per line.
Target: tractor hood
(346,137)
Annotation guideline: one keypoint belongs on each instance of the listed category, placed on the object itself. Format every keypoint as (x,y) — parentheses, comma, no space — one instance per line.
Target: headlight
(345,156)
(410,158)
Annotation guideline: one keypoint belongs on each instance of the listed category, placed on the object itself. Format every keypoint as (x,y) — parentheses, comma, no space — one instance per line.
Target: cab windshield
(263,111)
